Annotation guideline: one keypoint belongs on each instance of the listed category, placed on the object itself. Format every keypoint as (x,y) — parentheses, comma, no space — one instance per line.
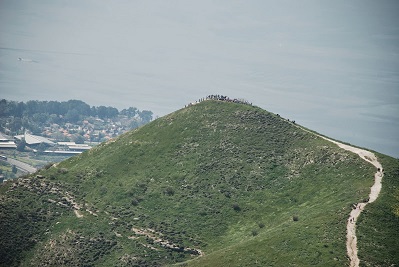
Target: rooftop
(31,139)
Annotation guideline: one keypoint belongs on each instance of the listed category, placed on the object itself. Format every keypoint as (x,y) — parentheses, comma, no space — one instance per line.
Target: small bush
(295,218)
(103,190)
(63,170)
(236,207)
(202,213)
(169,191)
(261,225)
(48,166)
(254,232)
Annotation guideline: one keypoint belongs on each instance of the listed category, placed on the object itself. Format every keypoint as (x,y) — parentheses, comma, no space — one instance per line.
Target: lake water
(332,67)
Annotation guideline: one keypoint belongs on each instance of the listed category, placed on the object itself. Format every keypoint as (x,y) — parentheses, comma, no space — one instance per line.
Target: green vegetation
(6,170)
(36,160)
(214,184)
(378,230)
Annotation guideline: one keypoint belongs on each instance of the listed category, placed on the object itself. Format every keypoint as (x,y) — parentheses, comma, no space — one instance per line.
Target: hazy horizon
(332,66)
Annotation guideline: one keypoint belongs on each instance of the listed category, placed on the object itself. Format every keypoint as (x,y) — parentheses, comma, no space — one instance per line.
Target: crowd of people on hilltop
(220,98)
(227,99)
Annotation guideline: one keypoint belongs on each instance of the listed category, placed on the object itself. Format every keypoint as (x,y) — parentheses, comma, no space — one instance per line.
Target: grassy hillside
(214,184)
(378,230)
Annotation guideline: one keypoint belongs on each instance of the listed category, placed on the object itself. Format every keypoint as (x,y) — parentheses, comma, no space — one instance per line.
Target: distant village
(63,127)
(41,144)
(56,142)
(44,130)
(68,139)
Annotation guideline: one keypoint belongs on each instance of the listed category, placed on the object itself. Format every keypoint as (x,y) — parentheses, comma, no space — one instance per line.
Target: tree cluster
(71,109)
(34,114)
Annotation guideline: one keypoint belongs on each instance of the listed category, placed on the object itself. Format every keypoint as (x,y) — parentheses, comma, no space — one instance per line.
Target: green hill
(213,184)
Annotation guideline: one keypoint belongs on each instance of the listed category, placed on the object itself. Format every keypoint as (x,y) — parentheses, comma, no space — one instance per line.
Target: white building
(32,140)
(6,142)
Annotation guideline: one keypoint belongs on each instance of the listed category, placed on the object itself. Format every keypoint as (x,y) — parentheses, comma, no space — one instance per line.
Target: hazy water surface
(333,66)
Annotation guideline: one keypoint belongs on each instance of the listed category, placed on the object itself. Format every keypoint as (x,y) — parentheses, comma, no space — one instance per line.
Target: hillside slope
(213,184)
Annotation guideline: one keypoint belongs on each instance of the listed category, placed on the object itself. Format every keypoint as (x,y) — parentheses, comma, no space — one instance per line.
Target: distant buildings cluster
(98,130)
(34,142)
(6,142)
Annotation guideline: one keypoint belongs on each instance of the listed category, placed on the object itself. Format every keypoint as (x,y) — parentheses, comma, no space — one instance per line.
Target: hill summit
(217,183)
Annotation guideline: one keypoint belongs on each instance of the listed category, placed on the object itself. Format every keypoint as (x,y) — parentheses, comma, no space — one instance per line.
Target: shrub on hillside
(103,190)
(48,166)
(169,191)
(295,218)
(63,170)
(236,207)
(135,202)
(254,232)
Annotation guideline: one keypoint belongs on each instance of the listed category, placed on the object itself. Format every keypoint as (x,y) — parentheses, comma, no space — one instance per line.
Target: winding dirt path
(351,239)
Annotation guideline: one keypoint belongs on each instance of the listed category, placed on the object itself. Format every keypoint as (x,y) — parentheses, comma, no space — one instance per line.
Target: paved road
(21,165)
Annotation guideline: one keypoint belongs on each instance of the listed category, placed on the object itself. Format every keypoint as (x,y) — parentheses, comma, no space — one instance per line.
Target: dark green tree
(82,108)
(102,112)
(78,139)
(21,145)
(72,116)
(130,112)
(41,117)
(3,108)
(42,147)
(15,124)
(19,111)
(54,118)
(31,107)
(112,112)
(146,116)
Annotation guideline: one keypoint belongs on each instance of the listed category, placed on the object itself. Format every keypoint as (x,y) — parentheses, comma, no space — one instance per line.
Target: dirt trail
(351,239)
(78,214)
